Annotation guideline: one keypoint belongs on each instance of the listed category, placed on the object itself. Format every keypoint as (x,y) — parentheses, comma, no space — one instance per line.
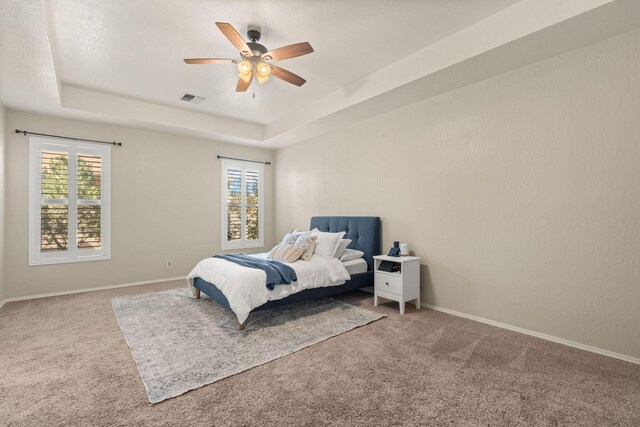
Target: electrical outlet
(169,263)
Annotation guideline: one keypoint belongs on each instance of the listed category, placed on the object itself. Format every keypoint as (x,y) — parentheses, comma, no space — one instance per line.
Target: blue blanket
(277,272)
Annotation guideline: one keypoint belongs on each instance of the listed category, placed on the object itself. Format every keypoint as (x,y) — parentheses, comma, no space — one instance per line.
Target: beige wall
(3,136)
(521,193)
(165,193)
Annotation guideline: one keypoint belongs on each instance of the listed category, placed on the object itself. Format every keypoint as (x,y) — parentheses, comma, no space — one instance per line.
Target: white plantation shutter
(234,204)
(242,204)
(252,204)
(69,201)
(89,200)
(54,201)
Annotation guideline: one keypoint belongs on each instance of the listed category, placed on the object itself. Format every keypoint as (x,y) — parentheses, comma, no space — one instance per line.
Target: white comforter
(245,287)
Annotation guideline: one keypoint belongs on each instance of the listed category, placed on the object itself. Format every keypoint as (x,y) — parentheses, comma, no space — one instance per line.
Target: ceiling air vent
(192,98)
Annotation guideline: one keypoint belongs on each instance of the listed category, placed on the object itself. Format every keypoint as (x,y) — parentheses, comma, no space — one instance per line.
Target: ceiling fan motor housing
(254,35)
(257,47)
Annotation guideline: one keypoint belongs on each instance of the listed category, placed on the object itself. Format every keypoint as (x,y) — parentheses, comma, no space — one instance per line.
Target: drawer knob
(387,283)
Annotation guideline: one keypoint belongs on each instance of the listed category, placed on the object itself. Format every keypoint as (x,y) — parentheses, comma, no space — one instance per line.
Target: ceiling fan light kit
(245,69)
(256,58)
(263,71)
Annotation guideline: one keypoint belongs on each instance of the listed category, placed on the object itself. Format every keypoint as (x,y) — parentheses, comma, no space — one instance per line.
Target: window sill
(242,246)
(36,262)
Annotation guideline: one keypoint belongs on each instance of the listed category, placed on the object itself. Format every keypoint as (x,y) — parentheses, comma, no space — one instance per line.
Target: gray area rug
(180,343)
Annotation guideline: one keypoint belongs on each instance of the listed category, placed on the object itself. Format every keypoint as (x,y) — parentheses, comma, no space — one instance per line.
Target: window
(69,210)
(242,204)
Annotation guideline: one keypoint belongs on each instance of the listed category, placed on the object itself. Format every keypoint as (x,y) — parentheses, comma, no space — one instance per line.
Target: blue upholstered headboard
(364,231)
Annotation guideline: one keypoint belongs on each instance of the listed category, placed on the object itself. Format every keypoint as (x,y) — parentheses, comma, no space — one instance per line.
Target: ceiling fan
(255,58)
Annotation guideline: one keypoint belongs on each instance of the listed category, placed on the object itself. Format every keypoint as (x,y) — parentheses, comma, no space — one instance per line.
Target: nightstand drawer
(388,283)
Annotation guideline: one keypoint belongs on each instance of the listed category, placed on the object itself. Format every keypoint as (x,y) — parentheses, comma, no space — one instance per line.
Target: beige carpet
(63,361)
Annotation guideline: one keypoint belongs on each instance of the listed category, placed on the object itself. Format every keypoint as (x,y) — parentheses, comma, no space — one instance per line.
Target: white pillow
(327,243)
(341,247)
(351,254)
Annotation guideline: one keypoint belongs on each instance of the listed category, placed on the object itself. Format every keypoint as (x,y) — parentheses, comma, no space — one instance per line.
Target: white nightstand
(401,286)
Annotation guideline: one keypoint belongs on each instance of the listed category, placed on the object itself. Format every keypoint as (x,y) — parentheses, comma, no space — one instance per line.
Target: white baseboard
(536,334)
(99,288)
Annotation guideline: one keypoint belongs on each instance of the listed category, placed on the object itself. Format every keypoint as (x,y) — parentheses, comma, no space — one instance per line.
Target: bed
(365,235)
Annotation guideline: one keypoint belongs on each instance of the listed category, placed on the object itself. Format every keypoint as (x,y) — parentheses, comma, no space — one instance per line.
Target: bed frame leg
(196,292)
(241,327)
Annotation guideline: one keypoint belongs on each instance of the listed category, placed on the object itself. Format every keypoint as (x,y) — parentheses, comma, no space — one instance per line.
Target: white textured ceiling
(121,61)
(135,48)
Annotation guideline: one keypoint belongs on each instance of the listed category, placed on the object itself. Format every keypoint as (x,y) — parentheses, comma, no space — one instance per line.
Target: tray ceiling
(121,61)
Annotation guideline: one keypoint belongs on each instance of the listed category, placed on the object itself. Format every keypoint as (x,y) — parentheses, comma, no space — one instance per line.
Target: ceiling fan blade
(209,60)
(235,38)
(287,76)
(242,86)
(286,52)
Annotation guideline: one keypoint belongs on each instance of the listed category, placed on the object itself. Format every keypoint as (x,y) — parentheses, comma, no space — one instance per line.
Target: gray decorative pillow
(290,238)
(308,243)
(285,253)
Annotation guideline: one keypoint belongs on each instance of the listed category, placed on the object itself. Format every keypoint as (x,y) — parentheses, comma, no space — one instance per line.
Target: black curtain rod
(244,160)
(24,132)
